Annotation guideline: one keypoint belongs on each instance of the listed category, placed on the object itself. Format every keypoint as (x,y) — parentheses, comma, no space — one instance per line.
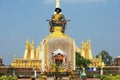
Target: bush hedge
(117,77)
(4,77)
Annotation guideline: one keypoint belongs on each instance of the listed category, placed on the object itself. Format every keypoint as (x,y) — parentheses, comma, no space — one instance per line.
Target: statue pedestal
(58,40)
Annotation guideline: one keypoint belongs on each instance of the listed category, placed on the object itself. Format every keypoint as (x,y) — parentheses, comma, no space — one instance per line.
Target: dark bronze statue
(57,19)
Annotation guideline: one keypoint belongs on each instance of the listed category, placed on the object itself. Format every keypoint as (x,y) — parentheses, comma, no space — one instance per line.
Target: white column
(42,55)
(101,72)
(35,73)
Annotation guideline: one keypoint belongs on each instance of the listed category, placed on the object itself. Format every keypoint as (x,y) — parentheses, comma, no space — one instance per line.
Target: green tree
(10,71)
(106,58)
(81,61)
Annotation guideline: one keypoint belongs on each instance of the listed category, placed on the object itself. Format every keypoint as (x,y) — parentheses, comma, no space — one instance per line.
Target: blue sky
(98,20)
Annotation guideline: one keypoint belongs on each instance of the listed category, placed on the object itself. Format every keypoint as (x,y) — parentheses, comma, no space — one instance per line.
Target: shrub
(117,77)
(4,77)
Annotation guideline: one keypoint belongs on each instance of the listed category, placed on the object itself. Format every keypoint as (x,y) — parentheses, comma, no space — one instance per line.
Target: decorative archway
(59,57)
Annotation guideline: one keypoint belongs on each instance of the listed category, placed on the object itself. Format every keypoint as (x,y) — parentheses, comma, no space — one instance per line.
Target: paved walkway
(93,79)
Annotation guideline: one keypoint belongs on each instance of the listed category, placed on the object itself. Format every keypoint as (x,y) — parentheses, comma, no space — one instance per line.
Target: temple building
(57,49)
(31,58)
(116,61)
(86,52)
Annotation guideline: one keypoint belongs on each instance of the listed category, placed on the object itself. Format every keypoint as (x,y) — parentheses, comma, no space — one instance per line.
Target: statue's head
(58,10)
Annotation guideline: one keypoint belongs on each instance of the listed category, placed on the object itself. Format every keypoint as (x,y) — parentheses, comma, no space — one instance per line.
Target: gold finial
(27,41)
(82,42)
(57,3)
(32,45)
(89,40)
(32,42)
(100,57)
(15,56)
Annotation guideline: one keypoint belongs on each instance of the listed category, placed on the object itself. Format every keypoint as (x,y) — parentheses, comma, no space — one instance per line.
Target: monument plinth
(61,43)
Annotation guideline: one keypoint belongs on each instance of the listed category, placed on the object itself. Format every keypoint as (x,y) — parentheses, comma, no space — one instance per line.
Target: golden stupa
(86,52)
(57,49)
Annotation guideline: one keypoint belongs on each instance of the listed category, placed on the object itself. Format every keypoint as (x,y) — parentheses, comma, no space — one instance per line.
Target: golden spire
(57,3)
